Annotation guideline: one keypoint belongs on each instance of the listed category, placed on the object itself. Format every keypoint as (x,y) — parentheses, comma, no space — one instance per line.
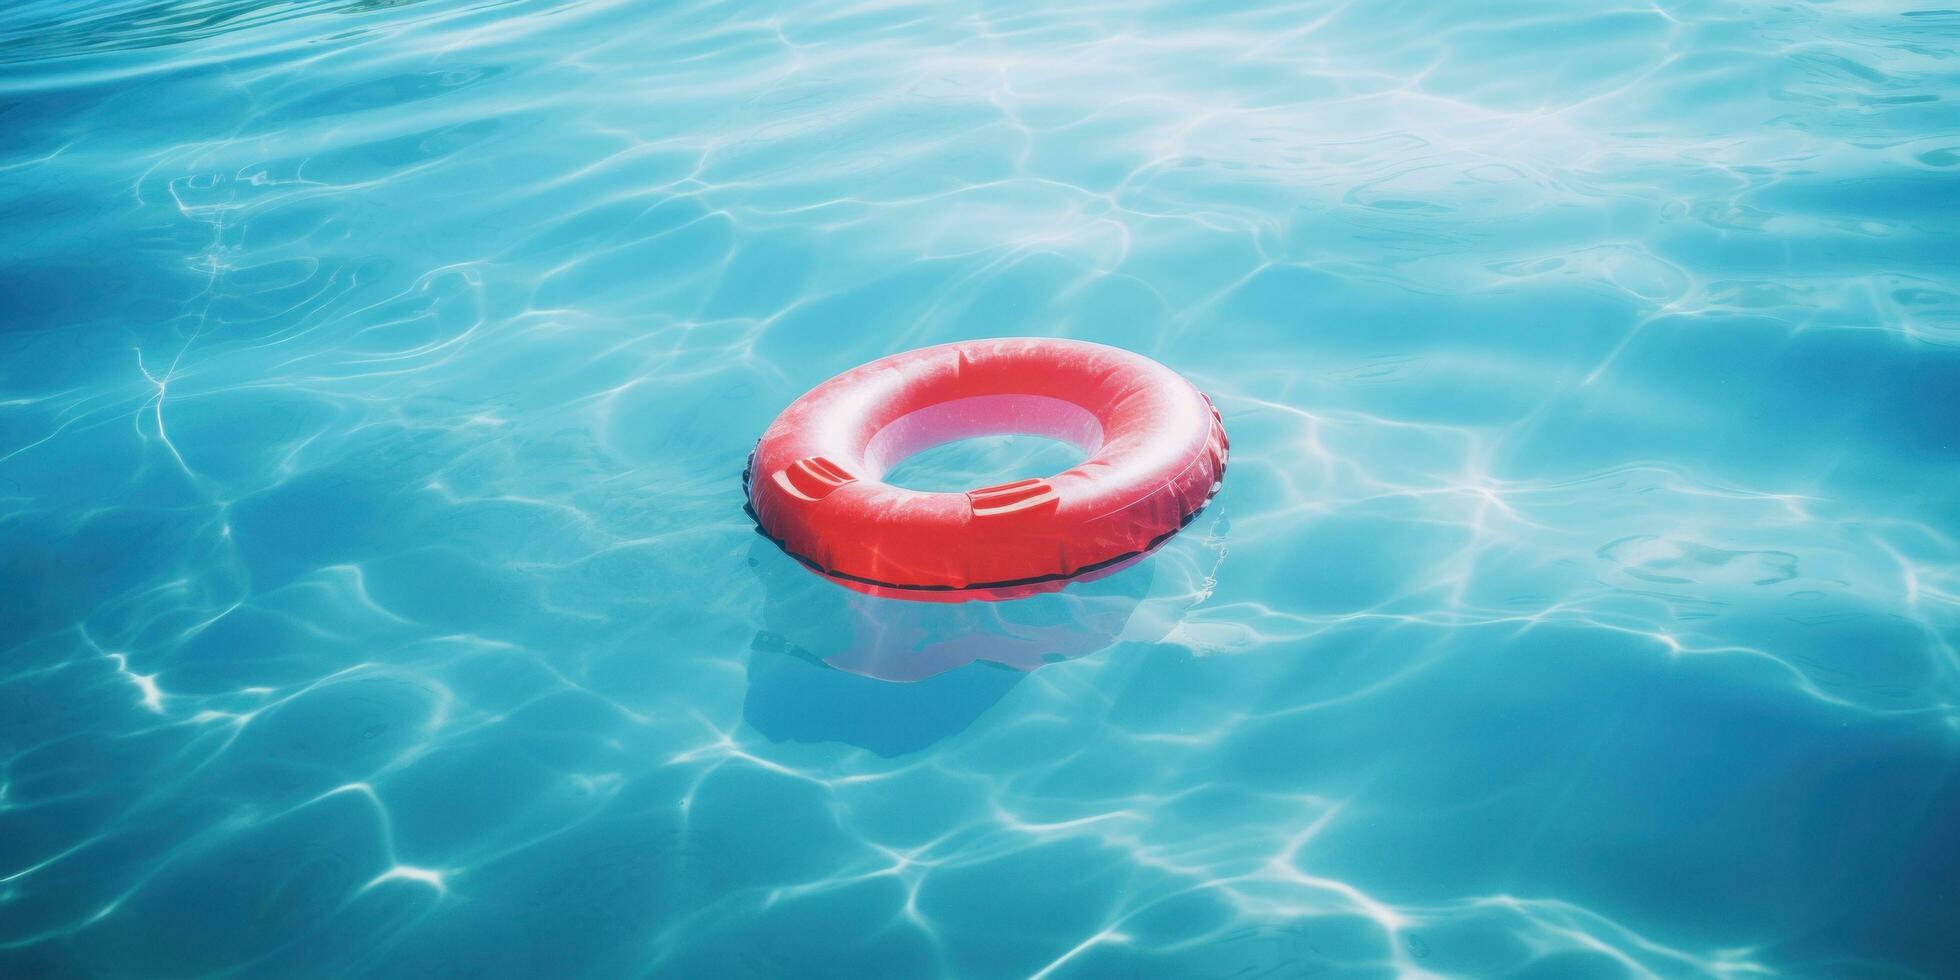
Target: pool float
(1156,453)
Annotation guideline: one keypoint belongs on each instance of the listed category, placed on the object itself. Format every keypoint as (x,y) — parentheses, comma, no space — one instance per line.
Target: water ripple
(375,380)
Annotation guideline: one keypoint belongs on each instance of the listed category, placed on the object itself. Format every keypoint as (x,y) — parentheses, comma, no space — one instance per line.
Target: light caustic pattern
(375,380)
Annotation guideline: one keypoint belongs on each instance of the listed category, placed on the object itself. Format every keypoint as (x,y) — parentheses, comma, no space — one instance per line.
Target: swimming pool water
(376,598)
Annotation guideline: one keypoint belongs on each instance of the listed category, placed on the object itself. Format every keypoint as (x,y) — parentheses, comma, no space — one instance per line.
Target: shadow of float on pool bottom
(795,697)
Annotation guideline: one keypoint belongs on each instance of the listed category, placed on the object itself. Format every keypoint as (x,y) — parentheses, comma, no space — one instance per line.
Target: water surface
(376,378)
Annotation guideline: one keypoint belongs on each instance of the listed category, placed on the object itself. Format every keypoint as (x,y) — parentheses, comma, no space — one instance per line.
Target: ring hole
(983,461)
(982,441)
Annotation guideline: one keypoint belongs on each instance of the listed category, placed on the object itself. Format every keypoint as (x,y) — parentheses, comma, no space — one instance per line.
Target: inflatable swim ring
(1156,453)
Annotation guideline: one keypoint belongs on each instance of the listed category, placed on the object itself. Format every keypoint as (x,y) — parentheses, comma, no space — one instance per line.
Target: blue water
(376,597)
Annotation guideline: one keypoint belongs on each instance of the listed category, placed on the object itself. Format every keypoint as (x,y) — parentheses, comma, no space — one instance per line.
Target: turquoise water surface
(377,600)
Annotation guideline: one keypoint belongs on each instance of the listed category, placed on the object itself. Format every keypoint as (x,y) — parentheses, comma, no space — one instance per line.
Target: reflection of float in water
(832,664)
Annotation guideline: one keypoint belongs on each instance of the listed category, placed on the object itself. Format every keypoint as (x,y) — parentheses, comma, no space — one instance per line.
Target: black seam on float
(748,507)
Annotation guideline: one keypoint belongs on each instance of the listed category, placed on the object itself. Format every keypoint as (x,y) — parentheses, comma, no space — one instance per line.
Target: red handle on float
(1023,497)
(812,478)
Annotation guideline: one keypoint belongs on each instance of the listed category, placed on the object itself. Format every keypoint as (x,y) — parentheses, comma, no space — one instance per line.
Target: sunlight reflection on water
(376,380)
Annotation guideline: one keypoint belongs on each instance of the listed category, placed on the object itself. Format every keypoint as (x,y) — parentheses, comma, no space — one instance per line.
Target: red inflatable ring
(1156,453)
